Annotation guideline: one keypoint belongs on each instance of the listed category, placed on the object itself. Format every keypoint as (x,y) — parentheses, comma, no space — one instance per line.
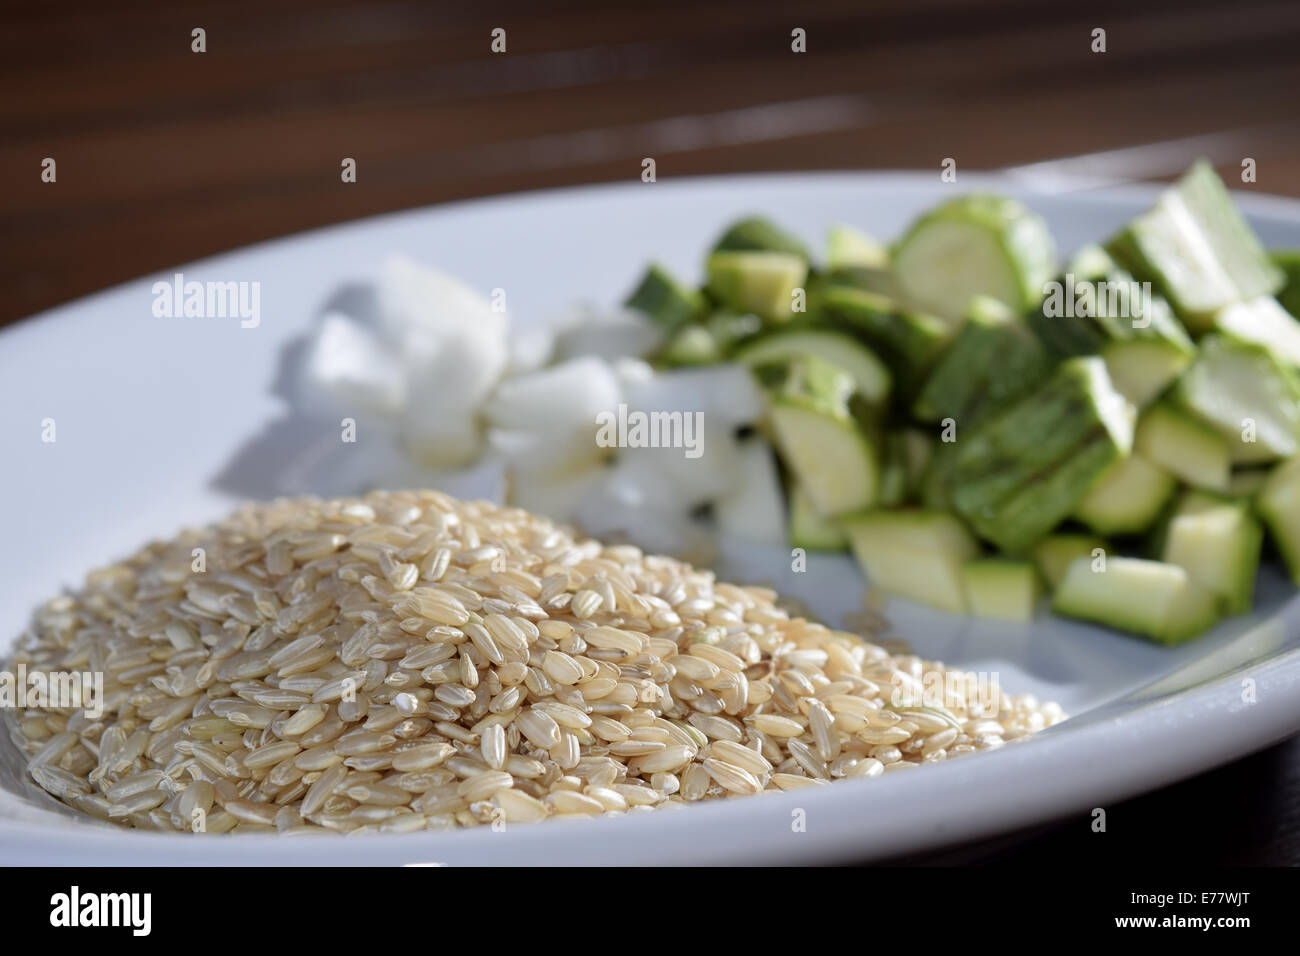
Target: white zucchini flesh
(832,458)
(1151,598)
(914,554)
(870,375)
(943,265)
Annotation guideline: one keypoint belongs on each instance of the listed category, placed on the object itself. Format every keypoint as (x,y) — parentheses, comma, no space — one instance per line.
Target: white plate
(163,422)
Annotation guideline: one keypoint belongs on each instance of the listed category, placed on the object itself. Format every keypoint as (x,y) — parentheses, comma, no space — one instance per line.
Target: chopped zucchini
(1174,440)
(1217,541)
(994,360)
(895,486)
(1151,598)
(917,451)
(1096,307)
(910,342)
(1142,369)
(810,530)
(1021,473)
(1288,260)
(758,282)
(1247,482)
(757,234)
(1070,412)
(920,451)
(870,376)
(690,344)
(937,483)
(821,434)
(732,329)
(999,589)
(1246,394)
(1128,498)
(665,300)
(1278,503)
(863,278)
(1095,302)
(974,245)
(1264,322)
(1066,321)
(848,248)
(876,281)
(914,554)
(1196,249)
(1055,553)
(709,342)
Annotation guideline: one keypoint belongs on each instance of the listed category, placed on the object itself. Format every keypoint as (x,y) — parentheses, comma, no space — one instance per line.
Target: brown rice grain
(407,661)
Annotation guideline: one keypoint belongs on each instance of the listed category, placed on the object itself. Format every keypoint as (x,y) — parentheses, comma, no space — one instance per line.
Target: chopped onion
(347,366)
(549,417)
(725,393)
(607,335)
(754,508)
(554,492)
(453,346)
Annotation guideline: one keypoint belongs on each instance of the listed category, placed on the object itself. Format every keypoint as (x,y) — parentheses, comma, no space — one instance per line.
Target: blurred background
(165,155)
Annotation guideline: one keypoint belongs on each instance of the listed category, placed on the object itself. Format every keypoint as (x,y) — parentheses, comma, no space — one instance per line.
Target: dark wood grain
(1244,814)
(165,156)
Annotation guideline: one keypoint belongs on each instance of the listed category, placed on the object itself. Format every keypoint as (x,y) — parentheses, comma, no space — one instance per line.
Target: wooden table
(164,155)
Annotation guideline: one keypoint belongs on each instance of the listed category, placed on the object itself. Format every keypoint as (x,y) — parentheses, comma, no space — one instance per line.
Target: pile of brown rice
(409,661)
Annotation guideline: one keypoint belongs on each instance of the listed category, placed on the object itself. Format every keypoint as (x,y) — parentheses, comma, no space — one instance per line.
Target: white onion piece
(454,348)
(611,511)
(606,334)
(725,393)
(347,367)
(754,508)
(419,308)
(667,479)
(554,492)
(550,416)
